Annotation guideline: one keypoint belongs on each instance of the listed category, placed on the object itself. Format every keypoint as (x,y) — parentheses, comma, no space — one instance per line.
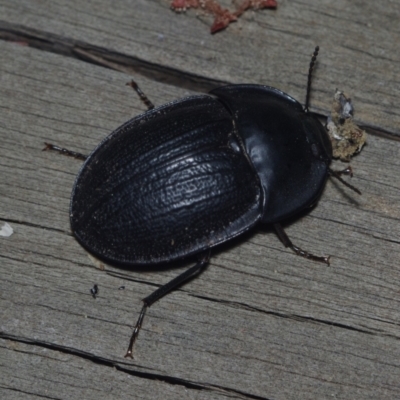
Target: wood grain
(358,40)
(260,322)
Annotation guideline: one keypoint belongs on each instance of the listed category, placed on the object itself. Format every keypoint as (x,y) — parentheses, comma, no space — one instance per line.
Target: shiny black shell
(189,175)
(288,147)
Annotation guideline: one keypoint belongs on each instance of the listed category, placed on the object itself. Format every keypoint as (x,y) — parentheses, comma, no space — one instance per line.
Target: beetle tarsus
(162,291)
(66,152)
(141,95)
(306,254)
(135,332)
(284,238)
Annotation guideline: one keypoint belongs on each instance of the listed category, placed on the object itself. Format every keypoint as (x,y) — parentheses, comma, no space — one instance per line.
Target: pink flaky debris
(222,16)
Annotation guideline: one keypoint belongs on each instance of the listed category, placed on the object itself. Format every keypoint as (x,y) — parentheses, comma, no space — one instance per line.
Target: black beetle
(185,177)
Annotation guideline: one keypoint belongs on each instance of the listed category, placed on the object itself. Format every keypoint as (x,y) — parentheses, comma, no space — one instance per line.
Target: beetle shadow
(176,264)
(185,262)
(221,248)
(349,196)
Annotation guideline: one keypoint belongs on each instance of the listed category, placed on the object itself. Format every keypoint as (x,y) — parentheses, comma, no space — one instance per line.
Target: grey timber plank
(31,372)
(358,40)
(259,323)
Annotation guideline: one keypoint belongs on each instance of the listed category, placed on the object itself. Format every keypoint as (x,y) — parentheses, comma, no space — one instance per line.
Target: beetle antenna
(336,174)
(310,70)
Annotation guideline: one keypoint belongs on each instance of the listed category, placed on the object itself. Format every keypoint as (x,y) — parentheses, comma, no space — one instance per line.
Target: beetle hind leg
(284,238)
(164,290)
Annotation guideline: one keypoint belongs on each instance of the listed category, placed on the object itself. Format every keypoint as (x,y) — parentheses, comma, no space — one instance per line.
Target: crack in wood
(39,226)
(105,57)
(128,64)
(29,393)
(118,366)
(295,317)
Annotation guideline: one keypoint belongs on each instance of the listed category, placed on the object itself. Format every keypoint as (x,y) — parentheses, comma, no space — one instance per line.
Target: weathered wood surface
(260,322)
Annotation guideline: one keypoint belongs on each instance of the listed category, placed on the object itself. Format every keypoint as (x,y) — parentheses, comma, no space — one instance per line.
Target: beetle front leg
(284,238)
(337,175)
(141,95)
(164,290)
(66,152)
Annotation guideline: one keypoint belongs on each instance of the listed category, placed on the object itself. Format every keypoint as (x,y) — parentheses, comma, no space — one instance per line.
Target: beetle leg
(141,95)
(284,238)
(66,152)
(346,171)
(162,291)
